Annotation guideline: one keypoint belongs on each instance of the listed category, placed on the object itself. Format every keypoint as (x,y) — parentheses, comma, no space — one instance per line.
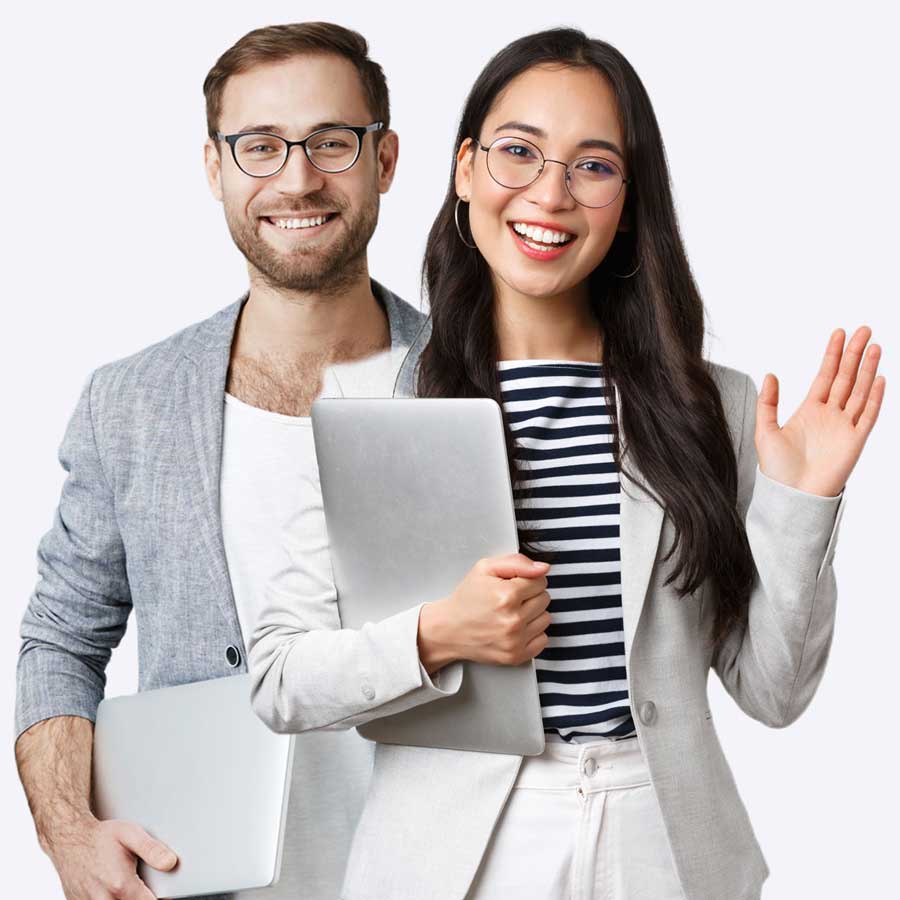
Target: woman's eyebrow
(587,144)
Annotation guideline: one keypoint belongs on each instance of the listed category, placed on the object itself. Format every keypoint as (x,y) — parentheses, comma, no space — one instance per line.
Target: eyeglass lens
(332,150)
(515,163)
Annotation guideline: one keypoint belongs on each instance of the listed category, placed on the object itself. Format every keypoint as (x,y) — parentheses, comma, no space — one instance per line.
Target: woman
(558,286)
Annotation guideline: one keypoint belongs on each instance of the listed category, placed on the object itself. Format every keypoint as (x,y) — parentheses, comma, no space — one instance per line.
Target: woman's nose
(549,188)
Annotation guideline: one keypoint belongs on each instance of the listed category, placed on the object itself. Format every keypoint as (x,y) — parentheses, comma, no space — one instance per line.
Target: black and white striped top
(557,411)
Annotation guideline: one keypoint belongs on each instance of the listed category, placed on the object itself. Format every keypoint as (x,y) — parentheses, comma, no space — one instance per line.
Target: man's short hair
(276,43)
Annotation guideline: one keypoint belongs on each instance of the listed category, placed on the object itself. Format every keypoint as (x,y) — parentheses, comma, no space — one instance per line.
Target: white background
(780,124)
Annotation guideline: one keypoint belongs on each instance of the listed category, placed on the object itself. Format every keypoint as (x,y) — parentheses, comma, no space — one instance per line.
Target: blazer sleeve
(79,609)
(772,666)
(306,671)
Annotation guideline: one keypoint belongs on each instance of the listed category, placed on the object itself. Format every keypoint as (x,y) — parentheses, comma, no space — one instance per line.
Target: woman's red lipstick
(543,255)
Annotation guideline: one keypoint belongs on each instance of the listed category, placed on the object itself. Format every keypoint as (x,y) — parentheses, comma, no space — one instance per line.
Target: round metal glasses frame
(544,161)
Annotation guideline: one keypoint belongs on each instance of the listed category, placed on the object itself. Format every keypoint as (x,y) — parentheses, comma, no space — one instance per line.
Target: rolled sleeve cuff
(402,670)
(50,684)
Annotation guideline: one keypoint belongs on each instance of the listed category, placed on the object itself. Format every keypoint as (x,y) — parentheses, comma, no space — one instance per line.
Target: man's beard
(327,270)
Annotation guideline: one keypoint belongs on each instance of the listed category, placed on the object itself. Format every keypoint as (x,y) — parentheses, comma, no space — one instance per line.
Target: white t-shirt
(266,457)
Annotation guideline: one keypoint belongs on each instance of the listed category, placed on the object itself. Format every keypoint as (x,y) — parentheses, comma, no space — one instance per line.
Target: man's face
(293,98)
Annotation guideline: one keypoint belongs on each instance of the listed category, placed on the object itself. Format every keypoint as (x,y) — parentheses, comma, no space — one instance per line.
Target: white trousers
(582,823)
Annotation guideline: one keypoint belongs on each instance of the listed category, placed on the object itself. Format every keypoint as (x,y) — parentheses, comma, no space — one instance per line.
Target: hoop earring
(616,274)
(458,229)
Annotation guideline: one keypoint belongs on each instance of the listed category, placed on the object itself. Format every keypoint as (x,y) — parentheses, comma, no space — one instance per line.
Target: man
(182,459)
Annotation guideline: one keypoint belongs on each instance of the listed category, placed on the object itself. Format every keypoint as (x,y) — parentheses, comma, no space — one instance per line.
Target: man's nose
(298,175)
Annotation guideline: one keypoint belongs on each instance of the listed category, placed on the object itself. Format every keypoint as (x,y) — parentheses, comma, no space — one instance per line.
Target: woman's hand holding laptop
(497,614)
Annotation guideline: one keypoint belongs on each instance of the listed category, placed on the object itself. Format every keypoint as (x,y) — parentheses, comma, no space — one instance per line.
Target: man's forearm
(54,762)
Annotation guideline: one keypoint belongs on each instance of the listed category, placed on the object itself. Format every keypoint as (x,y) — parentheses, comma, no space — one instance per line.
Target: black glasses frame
(544,162)
(359,130)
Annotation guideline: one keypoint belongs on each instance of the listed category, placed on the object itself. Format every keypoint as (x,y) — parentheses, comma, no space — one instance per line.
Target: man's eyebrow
(280,129)
(587,144)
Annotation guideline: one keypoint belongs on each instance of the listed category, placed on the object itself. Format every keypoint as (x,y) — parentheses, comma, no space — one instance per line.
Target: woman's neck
(558,327)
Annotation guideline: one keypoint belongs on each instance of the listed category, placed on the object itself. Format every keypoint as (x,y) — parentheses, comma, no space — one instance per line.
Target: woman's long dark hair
(652,325)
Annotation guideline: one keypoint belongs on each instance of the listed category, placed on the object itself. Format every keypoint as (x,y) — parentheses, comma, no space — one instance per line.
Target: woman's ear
(463,174)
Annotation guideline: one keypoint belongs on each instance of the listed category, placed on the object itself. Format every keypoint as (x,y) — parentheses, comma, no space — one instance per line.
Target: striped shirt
(557,412)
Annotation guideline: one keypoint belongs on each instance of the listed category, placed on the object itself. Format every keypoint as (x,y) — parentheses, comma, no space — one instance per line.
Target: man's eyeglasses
(261,154)
(592,181)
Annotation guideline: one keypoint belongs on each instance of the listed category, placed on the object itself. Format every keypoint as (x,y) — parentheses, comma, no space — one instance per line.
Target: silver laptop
(196,768)
(415,492)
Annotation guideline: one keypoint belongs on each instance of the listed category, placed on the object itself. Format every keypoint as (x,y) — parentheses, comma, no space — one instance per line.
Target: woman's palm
(819,445)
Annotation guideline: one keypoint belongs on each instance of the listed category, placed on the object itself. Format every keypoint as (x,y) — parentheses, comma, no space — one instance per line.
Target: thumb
(153,852)
(767,405)
(515,565)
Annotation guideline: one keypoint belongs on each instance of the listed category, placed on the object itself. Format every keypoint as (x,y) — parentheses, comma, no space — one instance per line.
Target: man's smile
(301,225)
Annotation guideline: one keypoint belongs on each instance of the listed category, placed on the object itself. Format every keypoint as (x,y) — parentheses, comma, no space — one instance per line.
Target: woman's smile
(541,240)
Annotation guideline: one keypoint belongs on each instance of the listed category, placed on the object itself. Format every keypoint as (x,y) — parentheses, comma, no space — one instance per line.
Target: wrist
(819,487)
(64,829)
(435,637)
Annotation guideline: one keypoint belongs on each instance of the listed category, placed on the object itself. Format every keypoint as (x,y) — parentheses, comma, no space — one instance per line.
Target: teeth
(543,247)
(541,235)
(298,223)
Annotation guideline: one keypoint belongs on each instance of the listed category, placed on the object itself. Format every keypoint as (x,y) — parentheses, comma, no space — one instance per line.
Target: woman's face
(568,114)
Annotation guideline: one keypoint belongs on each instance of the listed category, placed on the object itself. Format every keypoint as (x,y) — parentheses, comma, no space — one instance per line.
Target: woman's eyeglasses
(592,181)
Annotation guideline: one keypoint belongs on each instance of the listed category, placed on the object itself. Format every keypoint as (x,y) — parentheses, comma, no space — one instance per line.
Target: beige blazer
(429,813)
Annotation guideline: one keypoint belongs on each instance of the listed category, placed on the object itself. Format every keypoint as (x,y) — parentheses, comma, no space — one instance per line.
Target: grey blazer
(138,526)
(429,813)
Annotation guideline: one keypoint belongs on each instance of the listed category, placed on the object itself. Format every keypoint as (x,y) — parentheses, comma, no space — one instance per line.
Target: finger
(857,401)
(514,565)
(153,852)
(526,588)
(873,406)
(536,644)
(537,626)
(767,405)
(535,606)
(135,889)
(846,376)
(821,384)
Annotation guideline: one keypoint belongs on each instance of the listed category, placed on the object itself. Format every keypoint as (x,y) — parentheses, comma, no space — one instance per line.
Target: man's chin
(322,265)
(286,247)
(311,275)
(307,280)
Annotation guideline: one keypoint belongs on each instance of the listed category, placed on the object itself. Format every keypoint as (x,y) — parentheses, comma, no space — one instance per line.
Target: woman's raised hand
(497,614)
(817,448)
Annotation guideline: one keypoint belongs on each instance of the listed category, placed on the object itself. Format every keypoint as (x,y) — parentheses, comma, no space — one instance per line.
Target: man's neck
(287,324)
(284,340)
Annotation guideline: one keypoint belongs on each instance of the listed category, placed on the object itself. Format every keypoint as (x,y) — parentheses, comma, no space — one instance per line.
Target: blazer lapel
(201,389)
(640,527)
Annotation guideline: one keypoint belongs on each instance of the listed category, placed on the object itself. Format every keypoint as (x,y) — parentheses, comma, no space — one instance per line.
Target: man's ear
(463,173)
(388,151)
(212,163)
